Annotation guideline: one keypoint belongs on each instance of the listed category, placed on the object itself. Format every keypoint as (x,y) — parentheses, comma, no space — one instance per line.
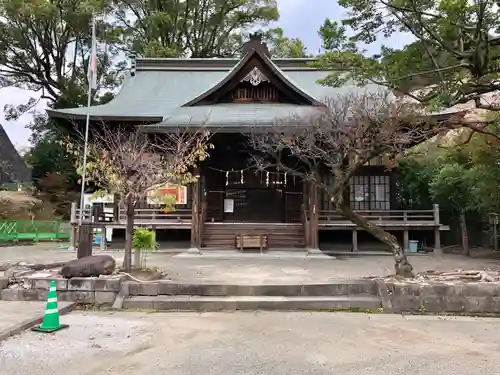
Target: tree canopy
(455,54)
(45,49)
(197,28)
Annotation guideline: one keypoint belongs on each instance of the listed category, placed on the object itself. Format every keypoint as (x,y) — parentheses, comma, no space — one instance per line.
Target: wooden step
(222,235)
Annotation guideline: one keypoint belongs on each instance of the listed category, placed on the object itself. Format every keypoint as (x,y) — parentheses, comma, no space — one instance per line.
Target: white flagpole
(91,79)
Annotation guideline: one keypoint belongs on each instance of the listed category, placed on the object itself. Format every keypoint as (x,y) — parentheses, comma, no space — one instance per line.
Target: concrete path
(257,344)
(15,316)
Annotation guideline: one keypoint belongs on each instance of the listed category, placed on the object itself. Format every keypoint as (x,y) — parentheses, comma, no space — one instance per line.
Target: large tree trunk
(402,265)
(129,232)
(465,234)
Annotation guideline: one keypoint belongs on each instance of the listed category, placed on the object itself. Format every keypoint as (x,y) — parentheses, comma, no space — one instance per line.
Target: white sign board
(229,205)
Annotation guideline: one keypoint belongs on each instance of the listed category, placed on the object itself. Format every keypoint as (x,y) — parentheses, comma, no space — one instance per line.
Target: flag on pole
(92,73)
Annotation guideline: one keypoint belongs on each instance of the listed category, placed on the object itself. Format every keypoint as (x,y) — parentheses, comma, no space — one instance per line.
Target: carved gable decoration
(255,77)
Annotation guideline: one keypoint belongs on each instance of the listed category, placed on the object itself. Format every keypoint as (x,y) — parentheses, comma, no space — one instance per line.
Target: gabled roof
(244,64)
(160,87)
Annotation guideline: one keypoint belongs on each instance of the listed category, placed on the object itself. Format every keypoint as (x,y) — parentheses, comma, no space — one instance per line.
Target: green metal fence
(32,230)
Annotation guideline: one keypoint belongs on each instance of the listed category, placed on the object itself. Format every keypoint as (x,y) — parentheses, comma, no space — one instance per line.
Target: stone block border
(395,297)
(87,290)
(455,298)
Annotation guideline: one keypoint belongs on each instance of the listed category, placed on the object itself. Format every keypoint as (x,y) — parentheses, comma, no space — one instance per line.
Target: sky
(298,18)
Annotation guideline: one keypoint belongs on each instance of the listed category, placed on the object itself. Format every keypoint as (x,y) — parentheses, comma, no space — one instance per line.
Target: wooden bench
(251,241)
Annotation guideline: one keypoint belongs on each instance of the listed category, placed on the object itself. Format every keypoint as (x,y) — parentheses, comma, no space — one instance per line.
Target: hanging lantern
(267,179)
(242,181)
(284,179)
(227,178)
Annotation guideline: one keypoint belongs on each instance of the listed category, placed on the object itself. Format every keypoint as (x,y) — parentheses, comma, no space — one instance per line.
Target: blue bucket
(413,246)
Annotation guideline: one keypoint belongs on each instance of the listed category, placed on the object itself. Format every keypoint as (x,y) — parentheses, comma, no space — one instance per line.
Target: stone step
(338,288)
(233,303)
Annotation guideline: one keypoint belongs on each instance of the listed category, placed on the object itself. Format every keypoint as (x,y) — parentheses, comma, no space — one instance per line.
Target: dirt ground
(260,269)
(98,343)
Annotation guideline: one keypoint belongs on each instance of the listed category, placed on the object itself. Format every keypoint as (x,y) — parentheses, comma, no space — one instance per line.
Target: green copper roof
(229,115)
(161,86)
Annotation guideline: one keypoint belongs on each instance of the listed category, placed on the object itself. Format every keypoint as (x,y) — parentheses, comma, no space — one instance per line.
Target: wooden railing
(142,215)
(388,217)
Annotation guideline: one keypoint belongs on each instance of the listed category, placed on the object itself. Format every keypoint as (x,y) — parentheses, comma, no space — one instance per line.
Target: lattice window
(380,197)
(246,92)
(370,193)
(359,193)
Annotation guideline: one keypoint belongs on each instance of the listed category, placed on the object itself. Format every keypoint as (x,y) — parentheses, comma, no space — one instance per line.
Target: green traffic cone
(51,318)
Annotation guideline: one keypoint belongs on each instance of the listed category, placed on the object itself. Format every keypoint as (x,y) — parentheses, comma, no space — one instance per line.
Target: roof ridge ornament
(255,43)
(255,77)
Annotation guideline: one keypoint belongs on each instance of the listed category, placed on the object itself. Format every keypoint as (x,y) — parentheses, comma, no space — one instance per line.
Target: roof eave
(278,72)
(243,128)
(441,117)
(77,116)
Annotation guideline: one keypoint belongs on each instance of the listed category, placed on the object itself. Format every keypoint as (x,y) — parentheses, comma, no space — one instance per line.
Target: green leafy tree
(456,49)
(44,48)
(282,46)
(413,177)
(454,187)
(197,28)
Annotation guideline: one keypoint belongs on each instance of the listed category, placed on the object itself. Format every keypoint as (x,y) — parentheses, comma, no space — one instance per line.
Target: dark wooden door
(256,205)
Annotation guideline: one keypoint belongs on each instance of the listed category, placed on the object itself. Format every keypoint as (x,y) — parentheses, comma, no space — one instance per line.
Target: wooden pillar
(85,234)
(314,218)
(195,216)
(103,244)
(355,240)
(153,231)
(437,232)
(203,207)
(305,214)
(315,221)
(406,233)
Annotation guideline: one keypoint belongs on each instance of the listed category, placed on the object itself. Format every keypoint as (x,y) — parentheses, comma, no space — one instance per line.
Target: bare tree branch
(346,135)
(131,164)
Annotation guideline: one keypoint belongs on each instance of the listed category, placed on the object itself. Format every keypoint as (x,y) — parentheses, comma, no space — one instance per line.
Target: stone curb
(166,287)
(20,327)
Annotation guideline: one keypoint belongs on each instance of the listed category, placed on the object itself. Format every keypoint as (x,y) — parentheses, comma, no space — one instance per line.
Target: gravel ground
(257,344)
(260,269)
(89,341)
